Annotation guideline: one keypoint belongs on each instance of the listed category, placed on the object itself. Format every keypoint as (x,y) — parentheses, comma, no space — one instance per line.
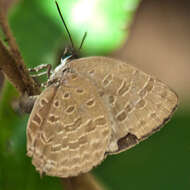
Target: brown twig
(67,184)
(11,62)
(9,36)
(16,72)
(82,182)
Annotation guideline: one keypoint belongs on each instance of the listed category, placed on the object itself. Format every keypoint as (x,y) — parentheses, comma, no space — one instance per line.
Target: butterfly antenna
(64,24)
(83,38)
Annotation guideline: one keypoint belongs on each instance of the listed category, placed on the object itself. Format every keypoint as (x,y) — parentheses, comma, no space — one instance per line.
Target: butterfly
(94,107)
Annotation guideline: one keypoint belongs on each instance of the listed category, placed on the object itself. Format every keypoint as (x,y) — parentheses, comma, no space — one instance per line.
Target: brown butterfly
(94,107)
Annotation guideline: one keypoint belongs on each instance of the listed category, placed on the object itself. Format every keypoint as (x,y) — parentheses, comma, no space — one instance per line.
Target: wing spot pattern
(70,109)
(74,76)
(53,118)
(66,95)
(56,104)
(163,94)
(74,125)
(56,148)
(128,108)
(121,116)
(90,126)
(37,119)
(140,104)
(91,103)
(142,122)
(83,139)
(91,72)
(148,87)
(124,88)
(107,80)
(80,91)
(100,120)
(43,102)
(45,139)
(73,145)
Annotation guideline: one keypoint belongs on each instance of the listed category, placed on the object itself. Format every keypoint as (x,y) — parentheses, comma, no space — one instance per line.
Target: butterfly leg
(48,71)
(39,68)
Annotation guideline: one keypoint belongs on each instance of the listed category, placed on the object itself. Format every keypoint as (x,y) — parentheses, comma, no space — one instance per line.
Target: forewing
(138,104)
(75,133)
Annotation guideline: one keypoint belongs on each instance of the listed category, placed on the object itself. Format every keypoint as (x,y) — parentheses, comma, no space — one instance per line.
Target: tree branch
(82,182)
(17,73)
(9,36)
(11,62)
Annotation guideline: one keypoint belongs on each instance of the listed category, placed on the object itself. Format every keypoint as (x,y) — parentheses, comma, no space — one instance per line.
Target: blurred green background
(158,43)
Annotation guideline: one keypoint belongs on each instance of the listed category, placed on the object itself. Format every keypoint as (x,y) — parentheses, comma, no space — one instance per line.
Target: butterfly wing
(35,123)
(74,133)
(138,104)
